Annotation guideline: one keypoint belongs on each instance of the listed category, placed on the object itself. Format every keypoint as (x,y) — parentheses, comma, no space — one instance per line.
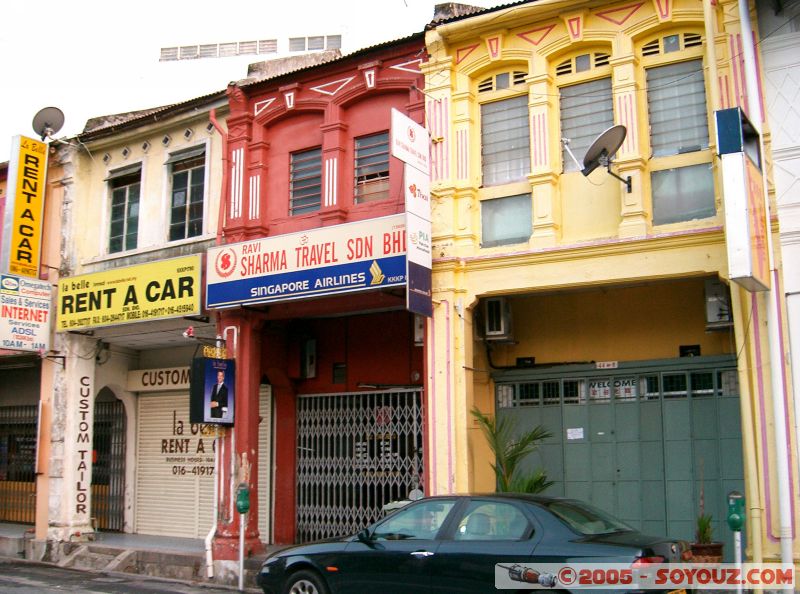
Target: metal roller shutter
(265,463)
(174,482)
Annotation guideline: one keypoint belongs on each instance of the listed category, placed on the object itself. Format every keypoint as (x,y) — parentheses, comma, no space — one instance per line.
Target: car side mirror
(364,536)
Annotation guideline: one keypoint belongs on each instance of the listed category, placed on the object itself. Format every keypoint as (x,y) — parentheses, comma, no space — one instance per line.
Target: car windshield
(586,519)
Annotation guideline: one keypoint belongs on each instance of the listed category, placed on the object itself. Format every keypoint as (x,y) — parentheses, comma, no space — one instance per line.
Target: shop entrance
(356,452)
(640,441)
(108,468)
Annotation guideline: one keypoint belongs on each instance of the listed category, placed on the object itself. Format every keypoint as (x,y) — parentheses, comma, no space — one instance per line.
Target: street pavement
(29,577)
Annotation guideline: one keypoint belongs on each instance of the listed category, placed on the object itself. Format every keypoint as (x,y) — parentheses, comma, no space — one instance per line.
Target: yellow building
(601,306)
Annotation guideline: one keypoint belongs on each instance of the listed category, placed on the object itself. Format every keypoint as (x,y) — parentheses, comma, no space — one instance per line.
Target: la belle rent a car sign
(338,259)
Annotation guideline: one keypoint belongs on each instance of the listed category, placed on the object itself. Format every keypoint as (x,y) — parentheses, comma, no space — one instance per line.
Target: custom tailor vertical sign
(24,314)
(24,210)
(344,258)
(152,291)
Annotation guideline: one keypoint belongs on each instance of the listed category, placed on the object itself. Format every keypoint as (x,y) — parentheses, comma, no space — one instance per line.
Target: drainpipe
(223,195)
(774,329)
(213,531)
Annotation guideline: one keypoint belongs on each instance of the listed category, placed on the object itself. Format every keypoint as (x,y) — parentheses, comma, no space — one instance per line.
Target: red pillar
(241,329)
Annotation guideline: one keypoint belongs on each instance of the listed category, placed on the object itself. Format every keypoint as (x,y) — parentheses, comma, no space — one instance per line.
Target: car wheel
(305,582)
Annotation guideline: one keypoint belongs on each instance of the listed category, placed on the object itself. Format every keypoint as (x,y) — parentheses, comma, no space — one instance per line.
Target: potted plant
(704,549)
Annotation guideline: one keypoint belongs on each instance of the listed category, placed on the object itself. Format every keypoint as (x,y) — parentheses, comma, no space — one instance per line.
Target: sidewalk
(182,559)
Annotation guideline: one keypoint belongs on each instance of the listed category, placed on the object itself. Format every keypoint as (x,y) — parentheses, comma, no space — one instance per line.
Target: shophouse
(603,304)
(26,365)
(310,288)
(141,210)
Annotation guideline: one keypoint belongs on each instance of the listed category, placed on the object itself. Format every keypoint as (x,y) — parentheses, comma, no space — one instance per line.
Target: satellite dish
(602,149)
(48,121)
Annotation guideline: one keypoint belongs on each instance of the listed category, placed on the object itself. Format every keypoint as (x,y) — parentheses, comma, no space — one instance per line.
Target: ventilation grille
(583,63)
(672,43)
(501,81)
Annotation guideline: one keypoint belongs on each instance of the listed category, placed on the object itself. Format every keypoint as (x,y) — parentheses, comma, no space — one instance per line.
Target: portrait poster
(212,391)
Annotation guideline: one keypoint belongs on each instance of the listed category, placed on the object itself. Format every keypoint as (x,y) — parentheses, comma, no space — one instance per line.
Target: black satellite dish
(48,121)
(602,149)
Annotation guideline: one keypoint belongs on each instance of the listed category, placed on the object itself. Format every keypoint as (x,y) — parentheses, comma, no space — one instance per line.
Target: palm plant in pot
(704,549)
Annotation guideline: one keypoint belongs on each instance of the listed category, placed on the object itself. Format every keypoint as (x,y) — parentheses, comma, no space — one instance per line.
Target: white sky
(94,58)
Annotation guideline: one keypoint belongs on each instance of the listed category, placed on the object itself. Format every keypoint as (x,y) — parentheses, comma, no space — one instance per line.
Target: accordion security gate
(356,452)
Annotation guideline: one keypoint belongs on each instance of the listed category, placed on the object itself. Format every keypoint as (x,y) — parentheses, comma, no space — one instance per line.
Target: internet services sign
(326,261)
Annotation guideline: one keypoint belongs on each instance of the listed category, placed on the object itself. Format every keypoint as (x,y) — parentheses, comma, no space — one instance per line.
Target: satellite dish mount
(47,122)
(604,147)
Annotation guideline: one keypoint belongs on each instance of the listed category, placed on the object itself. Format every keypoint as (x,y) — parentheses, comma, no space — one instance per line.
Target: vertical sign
(24,209)
(25,313)
(411,145)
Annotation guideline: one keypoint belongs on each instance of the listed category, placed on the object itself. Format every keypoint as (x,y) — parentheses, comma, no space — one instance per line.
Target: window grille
(305,181)
(505,141)
(587,109)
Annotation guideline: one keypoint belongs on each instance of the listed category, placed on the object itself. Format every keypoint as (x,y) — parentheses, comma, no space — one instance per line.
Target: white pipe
(213,531)
(233,468)
(241,552)
(773,298)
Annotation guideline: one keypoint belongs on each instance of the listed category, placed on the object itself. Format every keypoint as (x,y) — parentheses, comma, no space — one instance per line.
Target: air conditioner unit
(497,319)
(718,305)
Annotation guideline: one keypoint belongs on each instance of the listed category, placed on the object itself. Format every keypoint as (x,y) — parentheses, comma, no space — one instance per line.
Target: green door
(641,442)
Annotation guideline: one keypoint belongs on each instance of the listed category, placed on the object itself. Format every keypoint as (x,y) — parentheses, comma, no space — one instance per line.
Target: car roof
(527,497)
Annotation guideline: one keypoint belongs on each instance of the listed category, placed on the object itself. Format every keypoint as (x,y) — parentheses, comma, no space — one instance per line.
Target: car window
(491,520)
(585,519)
(420,521)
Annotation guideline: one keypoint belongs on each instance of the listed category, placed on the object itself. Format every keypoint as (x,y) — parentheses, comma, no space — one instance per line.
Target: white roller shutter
(265,463)
(175,462)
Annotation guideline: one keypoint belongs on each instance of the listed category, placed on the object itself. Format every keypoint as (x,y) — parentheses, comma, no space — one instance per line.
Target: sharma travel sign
(24,314)
(338,259)
(22,224)
(157,290)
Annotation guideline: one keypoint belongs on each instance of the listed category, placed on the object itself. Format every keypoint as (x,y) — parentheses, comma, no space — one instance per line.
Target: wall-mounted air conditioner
(718,305)
(497,319)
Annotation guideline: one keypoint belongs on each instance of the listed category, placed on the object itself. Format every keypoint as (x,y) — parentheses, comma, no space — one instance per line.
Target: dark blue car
(454,544)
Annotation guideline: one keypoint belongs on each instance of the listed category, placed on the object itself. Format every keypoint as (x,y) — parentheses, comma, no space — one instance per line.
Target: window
(188,193)
(587,110)
(372,168)
(124,224)
(676,102)
(420,521)
(305,181)
(505,141)
(505,220)
(492,521)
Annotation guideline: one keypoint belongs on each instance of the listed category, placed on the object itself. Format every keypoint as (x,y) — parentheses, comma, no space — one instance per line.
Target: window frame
(304,209)
(493,98)
(383,175)
(187,161)
(124,178)
(679,160)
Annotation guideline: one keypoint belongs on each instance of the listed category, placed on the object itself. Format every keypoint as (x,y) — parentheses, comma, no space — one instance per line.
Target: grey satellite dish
(602,149)
(48,121)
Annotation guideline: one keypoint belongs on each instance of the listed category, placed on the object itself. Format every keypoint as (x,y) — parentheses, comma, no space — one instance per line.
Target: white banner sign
(410,142)
(24,314)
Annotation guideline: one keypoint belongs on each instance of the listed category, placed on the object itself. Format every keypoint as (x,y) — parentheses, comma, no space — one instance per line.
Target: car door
(393,557)
(484,533)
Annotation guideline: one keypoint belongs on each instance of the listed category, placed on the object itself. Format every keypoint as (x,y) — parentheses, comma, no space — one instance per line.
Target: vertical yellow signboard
(23,224)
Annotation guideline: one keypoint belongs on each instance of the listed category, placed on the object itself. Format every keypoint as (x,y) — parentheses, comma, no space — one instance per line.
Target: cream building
(601,306)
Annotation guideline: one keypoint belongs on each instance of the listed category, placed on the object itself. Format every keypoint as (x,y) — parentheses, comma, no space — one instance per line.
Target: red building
(311,185)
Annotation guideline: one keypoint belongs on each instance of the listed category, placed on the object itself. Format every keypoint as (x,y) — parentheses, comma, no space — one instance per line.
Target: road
(25,577)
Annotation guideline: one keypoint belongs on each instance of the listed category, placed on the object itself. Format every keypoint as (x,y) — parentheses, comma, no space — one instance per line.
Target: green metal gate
(640,440)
